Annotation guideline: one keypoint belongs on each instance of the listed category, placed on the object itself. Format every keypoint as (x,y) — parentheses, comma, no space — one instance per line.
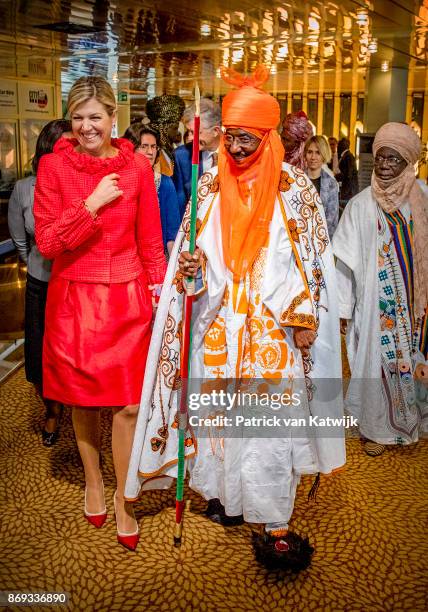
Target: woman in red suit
(97,217)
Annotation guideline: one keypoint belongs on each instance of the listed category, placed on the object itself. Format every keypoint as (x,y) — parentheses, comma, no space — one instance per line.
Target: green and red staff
(187,332)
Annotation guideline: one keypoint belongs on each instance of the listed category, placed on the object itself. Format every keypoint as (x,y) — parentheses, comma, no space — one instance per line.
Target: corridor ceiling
(167,44)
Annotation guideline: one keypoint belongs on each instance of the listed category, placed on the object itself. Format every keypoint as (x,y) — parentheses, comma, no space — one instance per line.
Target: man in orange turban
(265,322)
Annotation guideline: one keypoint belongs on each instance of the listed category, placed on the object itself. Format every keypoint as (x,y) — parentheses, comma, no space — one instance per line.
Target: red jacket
(126,236)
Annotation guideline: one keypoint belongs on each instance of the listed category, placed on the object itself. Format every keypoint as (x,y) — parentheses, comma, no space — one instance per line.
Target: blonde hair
(86,88)
(323,146)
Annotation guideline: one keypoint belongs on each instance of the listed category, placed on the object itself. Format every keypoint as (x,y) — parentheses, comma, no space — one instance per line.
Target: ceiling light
(384,66)
(362,17)
(205,29)
(237,56)
(372,46)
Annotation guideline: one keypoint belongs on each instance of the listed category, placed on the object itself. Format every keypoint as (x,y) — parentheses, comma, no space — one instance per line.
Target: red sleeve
(149,229)
(58,230)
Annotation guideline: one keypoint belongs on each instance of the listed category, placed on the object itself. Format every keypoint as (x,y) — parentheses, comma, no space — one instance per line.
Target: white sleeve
(346,290)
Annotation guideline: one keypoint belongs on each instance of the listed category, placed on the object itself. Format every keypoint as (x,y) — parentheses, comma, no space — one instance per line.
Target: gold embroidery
(168,355)
(215,185)
(187,228)
(285,181)
(178,282)
(294,229)
(256,277)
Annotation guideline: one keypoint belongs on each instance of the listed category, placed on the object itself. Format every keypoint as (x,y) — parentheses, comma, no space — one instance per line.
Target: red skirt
(96,342)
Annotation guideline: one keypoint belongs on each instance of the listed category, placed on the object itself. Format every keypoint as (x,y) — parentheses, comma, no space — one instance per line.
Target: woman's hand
(155,291)
(105,192)
(188,264)
(304,339)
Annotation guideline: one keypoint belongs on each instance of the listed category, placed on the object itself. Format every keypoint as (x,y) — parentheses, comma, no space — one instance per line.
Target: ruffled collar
(65,147)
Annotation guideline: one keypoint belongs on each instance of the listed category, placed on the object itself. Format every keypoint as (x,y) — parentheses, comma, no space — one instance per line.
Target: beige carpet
(368,526)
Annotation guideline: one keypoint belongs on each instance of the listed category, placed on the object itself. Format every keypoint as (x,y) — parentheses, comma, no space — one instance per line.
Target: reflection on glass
(296,104)
(313,108)
(360,108)
(417,111)
(30,129)
(282,100)
(8,157)
(345,114)
(328,116)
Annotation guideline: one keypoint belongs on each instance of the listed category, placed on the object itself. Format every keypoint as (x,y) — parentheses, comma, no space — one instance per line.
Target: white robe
(356,248)
(258,476)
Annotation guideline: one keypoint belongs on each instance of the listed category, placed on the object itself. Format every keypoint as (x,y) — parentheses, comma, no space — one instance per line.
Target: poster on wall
(36,100)
(30,67)
(8,98)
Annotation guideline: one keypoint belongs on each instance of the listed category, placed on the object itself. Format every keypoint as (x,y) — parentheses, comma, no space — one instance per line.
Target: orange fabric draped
(248,191)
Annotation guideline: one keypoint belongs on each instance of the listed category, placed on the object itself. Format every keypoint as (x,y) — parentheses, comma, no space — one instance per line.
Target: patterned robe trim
(285,181)
(307,203)
(290,318)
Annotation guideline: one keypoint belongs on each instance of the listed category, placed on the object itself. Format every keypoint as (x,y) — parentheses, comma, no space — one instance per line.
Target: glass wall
(313,108)
(328,115)
(418,111)
(345,115)
(296,104)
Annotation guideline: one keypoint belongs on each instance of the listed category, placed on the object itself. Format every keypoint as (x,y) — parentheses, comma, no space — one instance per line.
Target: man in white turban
(381,247)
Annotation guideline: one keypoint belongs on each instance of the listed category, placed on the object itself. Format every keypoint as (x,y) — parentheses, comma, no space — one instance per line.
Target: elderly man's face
(388,163)
(209,135)
(240,144)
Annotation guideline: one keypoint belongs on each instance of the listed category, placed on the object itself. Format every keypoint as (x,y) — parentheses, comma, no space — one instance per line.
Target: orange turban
(248,191)
(249,106)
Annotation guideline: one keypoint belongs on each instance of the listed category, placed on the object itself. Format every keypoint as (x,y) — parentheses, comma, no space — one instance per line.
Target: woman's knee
(130,411)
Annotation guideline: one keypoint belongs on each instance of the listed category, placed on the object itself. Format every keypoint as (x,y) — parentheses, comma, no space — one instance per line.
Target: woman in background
(97,217)
(317,153)
(21,228)
(147,141)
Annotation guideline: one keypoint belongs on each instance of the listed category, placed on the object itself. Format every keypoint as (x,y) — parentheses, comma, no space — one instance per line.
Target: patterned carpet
(368,525)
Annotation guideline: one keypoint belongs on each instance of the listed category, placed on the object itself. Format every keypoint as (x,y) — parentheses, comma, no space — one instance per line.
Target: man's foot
(287,552)
(215,512)
(373,449)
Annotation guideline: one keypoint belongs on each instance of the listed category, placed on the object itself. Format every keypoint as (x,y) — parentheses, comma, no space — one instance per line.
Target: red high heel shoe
(97,519)
(128,540)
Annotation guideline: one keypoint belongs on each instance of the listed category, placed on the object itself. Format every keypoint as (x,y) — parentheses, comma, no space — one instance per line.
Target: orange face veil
(248,191)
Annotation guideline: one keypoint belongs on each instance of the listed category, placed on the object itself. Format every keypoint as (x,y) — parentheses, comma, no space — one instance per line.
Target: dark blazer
(348,176)
(182,176)
(169,213)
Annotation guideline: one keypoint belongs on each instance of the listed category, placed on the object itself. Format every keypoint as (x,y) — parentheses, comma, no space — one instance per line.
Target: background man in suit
(209,140)
(348,173)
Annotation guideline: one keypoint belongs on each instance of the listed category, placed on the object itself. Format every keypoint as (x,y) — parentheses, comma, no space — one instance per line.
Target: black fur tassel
(312,495)
(290,552)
